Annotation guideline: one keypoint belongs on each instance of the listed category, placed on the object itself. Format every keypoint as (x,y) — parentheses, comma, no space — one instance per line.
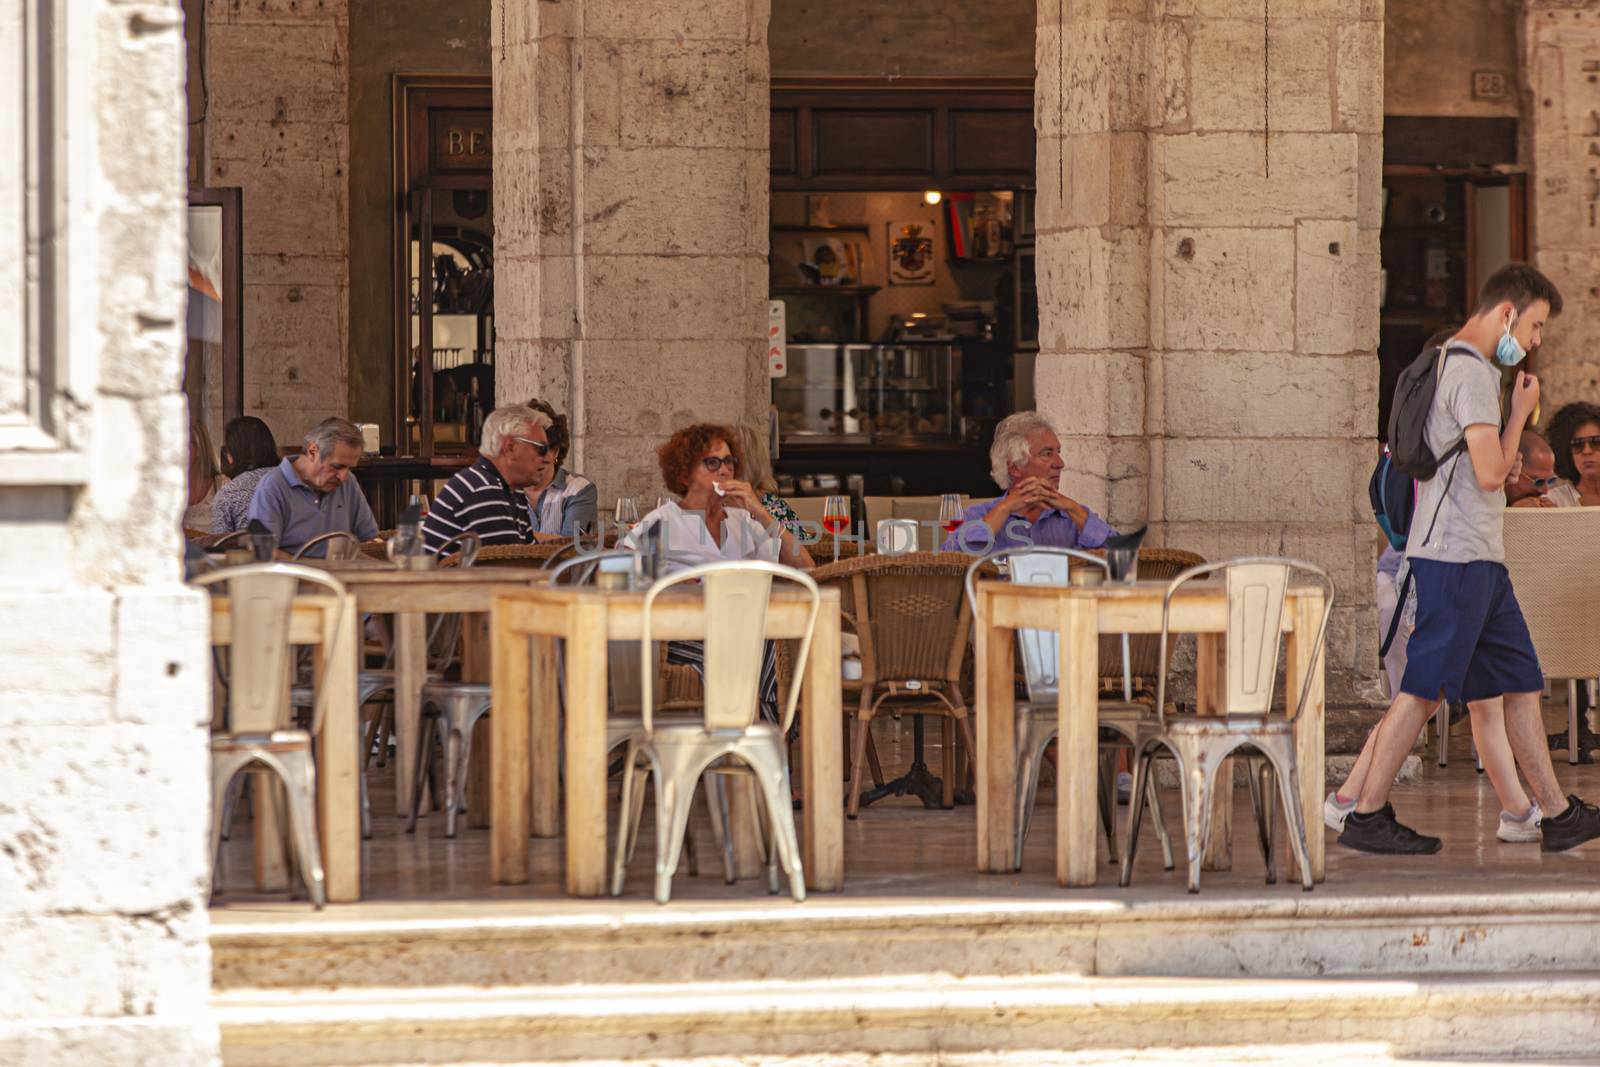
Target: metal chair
(262,596)
(729,728)
(227,540)
(340,544)
(1037,722)
(1257,587)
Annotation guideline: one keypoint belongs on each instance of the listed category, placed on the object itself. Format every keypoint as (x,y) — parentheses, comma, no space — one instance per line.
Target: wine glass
(835,517)
(627,513)
(950,512)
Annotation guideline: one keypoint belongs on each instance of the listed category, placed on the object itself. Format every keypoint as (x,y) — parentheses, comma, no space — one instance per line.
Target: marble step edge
(1528,1014)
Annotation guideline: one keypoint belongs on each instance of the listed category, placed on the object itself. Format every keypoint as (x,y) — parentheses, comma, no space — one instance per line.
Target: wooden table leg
(540,657)
(339,757)
(411,670)
(822,757)
(1210,683)
(508,759)
(475,667)
(997,749)
(1309,726)
(587,668)
(1078,744)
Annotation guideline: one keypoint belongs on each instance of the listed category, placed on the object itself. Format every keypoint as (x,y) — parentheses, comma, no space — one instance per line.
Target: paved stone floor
(896,849)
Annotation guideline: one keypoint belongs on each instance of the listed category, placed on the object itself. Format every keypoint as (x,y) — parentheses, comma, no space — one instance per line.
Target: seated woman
(1575,439)
(719,518)
(249,454)
(758,472)
(562,502)
(203,479)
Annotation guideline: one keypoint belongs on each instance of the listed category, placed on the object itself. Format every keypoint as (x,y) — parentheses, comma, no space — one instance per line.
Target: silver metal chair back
(736,598)
(580,569)
(262,596)
(340,544)
(227,540)
(465,545)
(1257,587)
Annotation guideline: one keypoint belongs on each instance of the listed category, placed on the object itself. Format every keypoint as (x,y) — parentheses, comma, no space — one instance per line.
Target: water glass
(627,513)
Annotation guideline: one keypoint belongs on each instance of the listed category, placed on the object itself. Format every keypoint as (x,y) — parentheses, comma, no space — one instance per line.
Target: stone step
(1280,933)
(925,1019)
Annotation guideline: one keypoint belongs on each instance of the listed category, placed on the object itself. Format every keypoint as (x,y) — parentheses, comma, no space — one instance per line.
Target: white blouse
(1565,495)
(688,543)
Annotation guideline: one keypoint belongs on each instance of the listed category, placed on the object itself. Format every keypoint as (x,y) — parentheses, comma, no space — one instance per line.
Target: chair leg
(230,804)
(1269,779)
(1196,775)
(967,753)
(224,772)
(872,760)
(678,772)
(1281,752)
(385,732)
(1441,730)
(1106,788)
(1159,817)
(625,824)
(455,744)
(722,826)
(419,771)
(1574,746)
(366,808)
(772,774)
(1032,740)
(947,794)
(1136,801)
(858,748)
(764,832)
(1263,835)
(299,779)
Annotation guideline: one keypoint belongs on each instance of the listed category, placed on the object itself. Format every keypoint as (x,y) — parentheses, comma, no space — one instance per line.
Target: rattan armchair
(913,624)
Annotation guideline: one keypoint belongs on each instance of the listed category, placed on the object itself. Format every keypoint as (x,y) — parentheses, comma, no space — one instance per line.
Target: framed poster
(911,252)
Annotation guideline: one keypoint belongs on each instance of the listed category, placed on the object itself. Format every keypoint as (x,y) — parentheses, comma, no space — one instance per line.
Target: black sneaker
(1579,823)
(1380,832)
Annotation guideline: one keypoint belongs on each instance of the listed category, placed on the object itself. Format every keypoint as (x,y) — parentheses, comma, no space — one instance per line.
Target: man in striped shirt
(486,498)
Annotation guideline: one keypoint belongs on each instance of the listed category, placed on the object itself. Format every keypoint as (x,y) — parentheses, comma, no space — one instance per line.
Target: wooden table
(329,623)
(381,588)
(526,627)
(1080,615)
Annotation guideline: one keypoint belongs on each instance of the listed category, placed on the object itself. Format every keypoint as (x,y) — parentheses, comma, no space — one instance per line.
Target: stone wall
(632,290)
(1432,49)
(279,127)
(889,38)
(103,819)
(1208,263)
(1562,60)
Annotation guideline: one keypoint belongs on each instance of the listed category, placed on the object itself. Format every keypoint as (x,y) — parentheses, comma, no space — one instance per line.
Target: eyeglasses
(539,446)
(1585,444)
(724,463)
(1542,484)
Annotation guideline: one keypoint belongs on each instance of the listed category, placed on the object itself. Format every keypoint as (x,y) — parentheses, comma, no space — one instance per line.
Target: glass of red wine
(950,512)
(835,518)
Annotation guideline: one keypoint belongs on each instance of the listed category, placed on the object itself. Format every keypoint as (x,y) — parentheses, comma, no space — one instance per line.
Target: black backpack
(1408,415)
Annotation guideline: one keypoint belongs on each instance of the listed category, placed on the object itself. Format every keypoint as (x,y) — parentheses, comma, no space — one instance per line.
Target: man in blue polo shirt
(1470,641)
(1025,461)
(314,493)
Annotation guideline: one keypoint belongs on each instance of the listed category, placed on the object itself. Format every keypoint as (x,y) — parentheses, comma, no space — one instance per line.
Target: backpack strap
(1405,586)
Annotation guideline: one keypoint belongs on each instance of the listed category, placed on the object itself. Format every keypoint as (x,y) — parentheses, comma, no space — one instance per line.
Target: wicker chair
(913,623)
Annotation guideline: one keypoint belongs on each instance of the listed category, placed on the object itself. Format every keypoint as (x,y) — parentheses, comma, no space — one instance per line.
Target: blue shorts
(1471,642)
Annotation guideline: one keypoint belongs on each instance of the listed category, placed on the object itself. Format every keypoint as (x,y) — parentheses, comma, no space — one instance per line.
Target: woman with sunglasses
(1575,439)
(719,516)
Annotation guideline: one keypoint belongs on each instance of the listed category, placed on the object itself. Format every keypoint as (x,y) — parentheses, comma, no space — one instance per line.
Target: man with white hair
(314,493)
(1025,461)
(486,498)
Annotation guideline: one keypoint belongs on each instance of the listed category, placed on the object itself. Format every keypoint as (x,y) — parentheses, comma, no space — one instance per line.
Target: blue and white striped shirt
(478,499)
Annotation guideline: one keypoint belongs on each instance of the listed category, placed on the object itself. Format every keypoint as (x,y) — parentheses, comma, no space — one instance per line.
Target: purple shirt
(1054,527)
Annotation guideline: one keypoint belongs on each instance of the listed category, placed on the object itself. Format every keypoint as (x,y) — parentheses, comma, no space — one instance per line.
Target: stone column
(278,125)
(1560,39)
(631,193)
(103,751)
(1209,176)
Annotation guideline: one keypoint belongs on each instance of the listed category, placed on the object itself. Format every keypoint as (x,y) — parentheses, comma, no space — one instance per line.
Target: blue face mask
(1508,352)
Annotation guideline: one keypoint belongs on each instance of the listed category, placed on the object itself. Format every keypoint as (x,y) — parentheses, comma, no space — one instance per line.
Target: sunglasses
(1542,484)
(539,446)
(1585,444)
(716,463)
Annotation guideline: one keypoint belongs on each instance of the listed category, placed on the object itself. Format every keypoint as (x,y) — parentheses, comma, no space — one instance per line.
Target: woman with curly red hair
(719,516)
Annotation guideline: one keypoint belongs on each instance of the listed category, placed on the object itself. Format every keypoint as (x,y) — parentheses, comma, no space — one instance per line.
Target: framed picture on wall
(911,259)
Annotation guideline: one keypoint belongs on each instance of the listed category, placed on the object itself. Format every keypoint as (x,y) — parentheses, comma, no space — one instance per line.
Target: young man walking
(1470,641)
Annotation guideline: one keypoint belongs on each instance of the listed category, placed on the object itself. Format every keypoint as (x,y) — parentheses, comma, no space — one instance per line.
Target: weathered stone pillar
(1209,176)
(631,192)
(278,125)
(1560,39)
(103,753)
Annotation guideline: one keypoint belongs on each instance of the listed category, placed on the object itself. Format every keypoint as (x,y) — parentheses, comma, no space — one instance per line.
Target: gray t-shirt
(1471,521)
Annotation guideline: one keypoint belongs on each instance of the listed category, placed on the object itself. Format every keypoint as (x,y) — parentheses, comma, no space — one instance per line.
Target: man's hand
(1524,397)
(1062,502)
(1540,501)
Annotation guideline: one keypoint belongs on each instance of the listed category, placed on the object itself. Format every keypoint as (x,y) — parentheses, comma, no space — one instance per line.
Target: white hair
(332,431)
(510,420)
(1011,443)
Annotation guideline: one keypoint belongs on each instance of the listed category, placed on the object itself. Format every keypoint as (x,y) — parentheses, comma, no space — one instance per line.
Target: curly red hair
(689,446)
